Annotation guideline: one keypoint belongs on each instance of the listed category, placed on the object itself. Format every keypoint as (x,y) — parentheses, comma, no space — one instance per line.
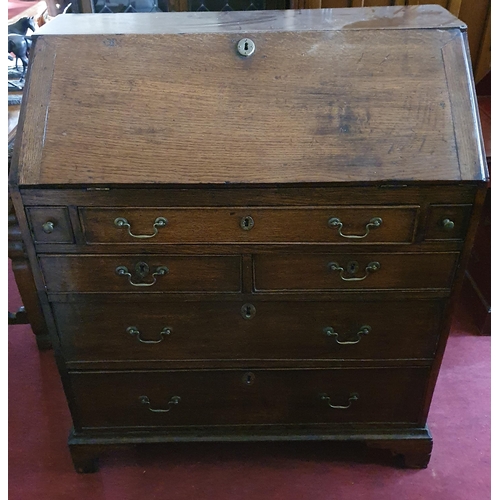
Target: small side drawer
(248,397)
(356,271)
(334,225)
(141,273)
(447,222)
(50,225)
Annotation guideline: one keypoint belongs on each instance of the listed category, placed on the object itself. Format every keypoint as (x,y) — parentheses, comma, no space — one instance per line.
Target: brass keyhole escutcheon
(246,223)
(245,47)
(142,269)
(248,311)
(352,267)
(248,378)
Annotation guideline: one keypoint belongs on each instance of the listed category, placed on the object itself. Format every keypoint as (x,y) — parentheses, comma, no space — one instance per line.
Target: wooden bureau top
(329,96)
(416,16)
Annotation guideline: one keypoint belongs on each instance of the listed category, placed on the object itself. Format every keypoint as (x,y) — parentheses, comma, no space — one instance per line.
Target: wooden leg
(85,458)
(416,453)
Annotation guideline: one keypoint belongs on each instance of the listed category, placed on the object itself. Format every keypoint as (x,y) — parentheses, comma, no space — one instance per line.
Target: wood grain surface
(428,16)
(211,331)
(64,273)
(306,107)
(224,225)
(309,272)
(111,399)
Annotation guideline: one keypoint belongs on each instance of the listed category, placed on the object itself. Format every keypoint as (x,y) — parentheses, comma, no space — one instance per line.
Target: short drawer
(133,273)
(447,222)
(352,224)
(189,331)
(253,397)
(336,271)
(50,224)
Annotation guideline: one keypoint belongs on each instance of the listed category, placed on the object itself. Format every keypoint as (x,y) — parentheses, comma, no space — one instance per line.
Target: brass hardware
(373,223)
(174,400)
(135,332)
(248,311)
(246,47)
(352,397)
(121,222)
(370,268)
(330,332)
(448,224)
(48,227)
(248,378)
(246,223)
(143,269)
(352,267)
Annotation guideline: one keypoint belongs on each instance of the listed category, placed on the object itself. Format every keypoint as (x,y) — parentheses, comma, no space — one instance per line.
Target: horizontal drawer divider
(238,248)
(247,367)
(161,196)
(312,296)
(243,364)
(241,426)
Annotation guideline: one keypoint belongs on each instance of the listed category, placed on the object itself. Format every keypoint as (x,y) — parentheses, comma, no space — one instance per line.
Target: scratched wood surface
(306,107)
(416,16)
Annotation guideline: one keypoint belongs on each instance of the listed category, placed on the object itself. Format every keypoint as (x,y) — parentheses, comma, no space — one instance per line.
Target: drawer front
(361,224)
(183,331)
(50,225)
(145,273)
(239,397)
(335,271)
(448,222)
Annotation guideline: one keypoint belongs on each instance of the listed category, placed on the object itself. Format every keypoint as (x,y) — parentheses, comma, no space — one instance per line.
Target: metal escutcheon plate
(246,47)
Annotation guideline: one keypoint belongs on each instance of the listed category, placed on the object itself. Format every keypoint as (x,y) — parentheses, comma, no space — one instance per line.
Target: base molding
(414,445)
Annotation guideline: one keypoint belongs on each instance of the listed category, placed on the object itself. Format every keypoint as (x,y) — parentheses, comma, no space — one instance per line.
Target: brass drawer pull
(121,222)
(373,223)
(135,332)
(370,268)
(48,227)
(448,224)
(352,397)
(174,400)
(123,271)
(364,330)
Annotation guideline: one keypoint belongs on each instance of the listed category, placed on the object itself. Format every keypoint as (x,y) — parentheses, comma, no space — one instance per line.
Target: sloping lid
(327,96)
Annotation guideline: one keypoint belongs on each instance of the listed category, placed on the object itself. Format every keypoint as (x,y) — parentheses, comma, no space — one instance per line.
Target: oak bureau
(249,225)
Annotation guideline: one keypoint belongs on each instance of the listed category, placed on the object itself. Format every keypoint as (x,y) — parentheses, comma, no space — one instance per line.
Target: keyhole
(142,269)
(352,267)
(248,311)
(247,223)
(248,378)
(246,47)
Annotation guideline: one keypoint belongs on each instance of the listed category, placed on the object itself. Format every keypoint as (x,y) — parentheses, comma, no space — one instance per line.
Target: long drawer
(345,271)
(132,273)
(238,397)
(359,224)
(100,331)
